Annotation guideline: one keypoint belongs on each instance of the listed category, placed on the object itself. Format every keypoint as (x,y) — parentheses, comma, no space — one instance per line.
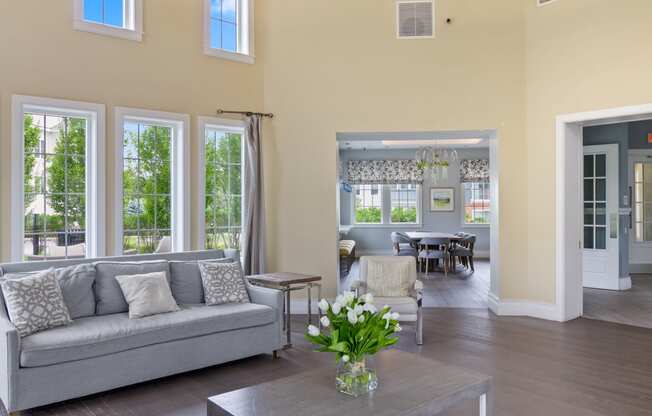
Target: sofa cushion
(108,334)
(108,295)
(76,284)
(185,280)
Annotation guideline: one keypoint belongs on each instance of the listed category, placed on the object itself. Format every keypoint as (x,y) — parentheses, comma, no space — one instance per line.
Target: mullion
(65,185)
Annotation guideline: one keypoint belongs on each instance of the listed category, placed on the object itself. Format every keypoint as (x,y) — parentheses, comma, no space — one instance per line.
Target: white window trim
(636,156)
(204,123)
(386,211)
(95,168)
(179,171)
(463,217)
(133,20)
(245,33)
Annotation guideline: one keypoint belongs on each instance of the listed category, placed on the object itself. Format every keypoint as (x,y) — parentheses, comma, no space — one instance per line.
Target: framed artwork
(442,199)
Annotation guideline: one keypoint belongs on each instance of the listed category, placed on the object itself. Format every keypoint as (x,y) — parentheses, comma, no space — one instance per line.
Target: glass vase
(355,378)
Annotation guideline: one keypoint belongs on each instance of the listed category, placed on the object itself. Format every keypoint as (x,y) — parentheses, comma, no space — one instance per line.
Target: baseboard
(625,283)
(640,268)
(514,307)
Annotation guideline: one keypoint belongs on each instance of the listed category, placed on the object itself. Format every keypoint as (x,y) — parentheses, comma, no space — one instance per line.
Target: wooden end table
(407,385)
(289,282)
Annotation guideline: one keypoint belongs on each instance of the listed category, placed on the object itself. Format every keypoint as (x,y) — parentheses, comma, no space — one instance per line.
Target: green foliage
(31,144)
(400,214)
(368,215)
(373,331)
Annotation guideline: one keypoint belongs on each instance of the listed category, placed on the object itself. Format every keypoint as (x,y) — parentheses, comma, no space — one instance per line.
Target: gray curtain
(254,208)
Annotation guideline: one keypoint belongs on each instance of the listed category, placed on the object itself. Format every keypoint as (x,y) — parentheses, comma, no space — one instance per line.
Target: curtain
(254,210)
(474,170)
(384,172)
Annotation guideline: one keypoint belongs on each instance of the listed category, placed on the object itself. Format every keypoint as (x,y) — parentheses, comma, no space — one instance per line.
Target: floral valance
(384,172)
(474,170)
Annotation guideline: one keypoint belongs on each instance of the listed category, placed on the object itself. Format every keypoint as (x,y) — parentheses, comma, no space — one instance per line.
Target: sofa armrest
(267,296)
(9,356)
(416,291)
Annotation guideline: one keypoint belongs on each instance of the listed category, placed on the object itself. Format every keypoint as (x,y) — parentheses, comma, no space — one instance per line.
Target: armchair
(393,282)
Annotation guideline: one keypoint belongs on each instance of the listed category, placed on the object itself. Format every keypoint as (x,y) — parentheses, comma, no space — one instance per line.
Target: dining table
(417,236)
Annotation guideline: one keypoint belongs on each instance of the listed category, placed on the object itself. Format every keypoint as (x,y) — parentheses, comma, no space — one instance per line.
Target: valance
(474,170)
(384,172)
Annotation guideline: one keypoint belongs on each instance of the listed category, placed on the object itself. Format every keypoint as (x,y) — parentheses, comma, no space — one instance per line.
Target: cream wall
(581,55)
(336,66)
(40,54)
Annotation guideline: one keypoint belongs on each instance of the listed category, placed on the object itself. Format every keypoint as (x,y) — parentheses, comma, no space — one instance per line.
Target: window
(228,29)
(386,204)
(56,179)
(595,201)
(642,202)
(152,203)
(477,203)
(403,203)
(119,18)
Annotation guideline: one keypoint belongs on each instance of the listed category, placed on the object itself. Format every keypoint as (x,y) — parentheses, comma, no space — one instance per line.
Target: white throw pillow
(35,302)
(147,294)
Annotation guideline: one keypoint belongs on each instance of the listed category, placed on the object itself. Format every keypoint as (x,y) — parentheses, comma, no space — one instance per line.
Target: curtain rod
(246,113)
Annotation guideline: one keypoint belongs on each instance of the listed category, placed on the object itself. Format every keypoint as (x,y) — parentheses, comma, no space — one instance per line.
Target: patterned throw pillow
(35,303)
(223,283)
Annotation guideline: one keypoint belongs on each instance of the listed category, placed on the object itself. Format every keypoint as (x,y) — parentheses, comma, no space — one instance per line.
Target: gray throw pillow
(147,294)
(185,280)
(108,294)
(76,284)
(223,283)
(35,303)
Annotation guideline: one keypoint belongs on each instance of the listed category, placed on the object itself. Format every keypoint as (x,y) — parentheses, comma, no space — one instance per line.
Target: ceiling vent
(415,19)
(544,2)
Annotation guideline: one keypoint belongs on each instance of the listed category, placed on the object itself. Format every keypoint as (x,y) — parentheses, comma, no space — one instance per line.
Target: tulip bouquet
(353,328)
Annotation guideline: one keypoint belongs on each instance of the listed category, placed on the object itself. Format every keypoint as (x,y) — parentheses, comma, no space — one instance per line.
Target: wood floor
(631,307)
(580,368)
(462,289)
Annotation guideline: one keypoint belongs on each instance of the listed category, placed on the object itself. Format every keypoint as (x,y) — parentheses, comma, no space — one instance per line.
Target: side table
(289,282)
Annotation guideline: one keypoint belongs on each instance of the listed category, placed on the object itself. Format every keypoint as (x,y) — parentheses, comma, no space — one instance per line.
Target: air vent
(415,19)
(544,2)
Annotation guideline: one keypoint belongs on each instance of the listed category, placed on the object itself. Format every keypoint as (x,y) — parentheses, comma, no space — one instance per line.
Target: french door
(600,243)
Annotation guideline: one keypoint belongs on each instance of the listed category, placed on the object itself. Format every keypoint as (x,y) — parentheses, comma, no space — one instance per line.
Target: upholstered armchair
(392,280)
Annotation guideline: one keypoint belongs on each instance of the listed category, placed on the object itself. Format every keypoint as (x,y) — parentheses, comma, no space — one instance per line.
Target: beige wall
(581,55)
(336,66)
(40,54)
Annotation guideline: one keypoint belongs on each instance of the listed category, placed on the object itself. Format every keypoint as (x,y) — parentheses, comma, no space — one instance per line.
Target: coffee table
(289,282)
(408,385)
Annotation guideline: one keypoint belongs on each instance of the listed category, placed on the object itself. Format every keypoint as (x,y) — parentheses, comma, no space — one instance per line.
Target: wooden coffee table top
(408,385)
(282,278)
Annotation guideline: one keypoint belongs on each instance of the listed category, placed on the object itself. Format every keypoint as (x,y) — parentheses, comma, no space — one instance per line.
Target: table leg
(487,404)
(288,330)
(309,286)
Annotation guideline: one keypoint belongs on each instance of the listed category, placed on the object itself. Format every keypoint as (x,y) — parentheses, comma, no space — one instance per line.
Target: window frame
(463,207)
(386,210)
(133,18)
(179,172)
(636,156)
(230,125)
(245,25)
(95,168)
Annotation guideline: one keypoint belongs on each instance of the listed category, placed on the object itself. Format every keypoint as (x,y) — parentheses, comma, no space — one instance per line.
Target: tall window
(403,203)
(368,204)
(119,18)
(146,188)
(643,202)
(476,203)
(57,186)
(595,201)
(223,184)
(228,29)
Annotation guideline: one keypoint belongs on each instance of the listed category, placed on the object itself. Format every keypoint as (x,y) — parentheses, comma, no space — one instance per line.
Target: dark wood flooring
(630,307)
(580,368)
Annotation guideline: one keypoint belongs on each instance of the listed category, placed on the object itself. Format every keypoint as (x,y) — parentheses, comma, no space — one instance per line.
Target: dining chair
(434,249)
(464,252)
(402,245)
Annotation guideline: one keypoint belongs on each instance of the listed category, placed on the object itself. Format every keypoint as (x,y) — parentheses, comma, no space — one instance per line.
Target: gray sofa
(106,349)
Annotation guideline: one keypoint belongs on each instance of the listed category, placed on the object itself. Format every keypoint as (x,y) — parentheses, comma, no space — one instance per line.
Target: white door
(600,233)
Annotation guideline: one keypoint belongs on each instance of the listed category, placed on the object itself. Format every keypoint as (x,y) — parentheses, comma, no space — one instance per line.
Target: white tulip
(345,358)
(336,308)
(313,331)
(325,322)
(368,298)
(395,316)
(323,305)
(348,297)
(387,316)
(358,309)
(368,307)
(339,299)
(361,318)
(352,317)
(398,328)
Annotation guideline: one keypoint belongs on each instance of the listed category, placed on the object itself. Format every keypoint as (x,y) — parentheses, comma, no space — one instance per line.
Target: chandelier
(436,160)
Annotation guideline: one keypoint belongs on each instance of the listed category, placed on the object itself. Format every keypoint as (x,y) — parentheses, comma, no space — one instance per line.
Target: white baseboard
(640,268)
(625,283)
(514,307)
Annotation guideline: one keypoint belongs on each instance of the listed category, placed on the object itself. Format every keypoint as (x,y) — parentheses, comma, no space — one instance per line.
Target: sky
(109,12)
